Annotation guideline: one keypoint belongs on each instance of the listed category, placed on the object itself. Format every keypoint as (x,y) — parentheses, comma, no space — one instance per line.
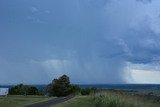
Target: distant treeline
(21,89)
(58,87)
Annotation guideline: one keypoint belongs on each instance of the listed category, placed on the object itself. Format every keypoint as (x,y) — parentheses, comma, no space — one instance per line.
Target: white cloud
(142,73)
(144,77)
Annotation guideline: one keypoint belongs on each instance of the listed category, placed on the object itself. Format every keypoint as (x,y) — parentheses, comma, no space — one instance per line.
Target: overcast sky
(92,41)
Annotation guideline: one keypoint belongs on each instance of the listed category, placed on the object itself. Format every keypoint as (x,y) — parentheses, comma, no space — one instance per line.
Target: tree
(21,89)
(32,91)
(61,86)
(75,89)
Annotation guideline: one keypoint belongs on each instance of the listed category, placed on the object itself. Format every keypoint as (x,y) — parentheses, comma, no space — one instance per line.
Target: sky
(91,41)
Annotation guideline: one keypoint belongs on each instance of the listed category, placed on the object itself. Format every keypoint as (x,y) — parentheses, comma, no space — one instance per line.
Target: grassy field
(19,100)
(110,99)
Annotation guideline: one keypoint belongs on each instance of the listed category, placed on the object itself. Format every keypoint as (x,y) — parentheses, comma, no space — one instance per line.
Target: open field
(20,100)
(112,99)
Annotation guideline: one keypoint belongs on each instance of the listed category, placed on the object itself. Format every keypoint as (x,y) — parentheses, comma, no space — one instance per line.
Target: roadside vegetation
(120,99)
(21,89)
(110,99)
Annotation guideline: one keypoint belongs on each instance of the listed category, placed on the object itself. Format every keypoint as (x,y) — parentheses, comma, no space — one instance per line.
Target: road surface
(50,102)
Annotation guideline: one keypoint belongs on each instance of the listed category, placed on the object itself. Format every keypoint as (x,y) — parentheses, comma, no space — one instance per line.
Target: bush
(21,89)
(75,89)
(87,91)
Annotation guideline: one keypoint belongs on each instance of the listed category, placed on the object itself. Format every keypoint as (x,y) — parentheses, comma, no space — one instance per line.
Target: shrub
(21,89)
(75,89)
(85,91)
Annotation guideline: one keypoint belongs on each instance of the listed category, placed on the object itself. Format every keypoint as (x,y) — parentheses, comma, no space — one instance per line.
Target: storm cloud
(92,41)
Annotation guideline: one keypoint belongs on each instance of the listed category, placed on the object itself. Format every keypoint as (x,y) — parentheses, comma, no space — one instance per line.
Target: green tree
(61,86)
(32,91)
(21,89)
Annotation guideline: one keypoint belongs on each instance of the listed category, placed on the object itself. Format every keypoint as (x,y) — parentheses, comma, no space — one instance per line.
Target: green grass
(110,99)
(78,101)
(19,100)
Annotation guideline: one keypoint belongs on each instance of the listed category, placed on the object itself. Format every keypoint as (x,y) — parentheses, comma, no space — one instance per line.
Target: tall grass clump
(109,99)
(106,101)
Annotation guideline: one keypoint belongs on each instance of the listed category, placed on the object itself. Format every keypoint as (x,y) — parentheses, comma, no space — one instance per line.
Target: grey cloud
(89,40)
(34,9)
(144,1)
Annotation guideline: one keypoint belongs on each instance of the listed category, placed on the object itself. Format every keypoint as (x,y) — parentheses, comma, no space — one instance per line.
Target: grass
(78,101)
(110,99)
(20,100)
(113,99)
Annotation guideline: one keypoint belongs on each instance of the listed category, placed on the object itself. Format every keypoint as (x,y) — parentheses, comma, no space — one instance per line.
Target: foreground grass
(113,99)
(20,101)
(78,101)
(109,99)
